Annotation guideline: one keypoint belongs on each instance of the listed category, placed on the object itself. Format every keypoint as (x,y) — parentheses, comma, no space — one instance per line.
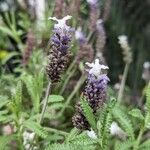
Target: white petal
(61,22)
(67,17)
(96,68)
(104,67)
(116,130)
(89,64)
(92,134)
(53,18)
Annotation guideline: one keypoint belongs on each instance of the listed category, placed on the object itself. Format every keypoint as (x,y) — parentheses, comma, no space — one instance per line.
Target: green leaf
(15,105)
(137,114)
(122,118)
(54,138)
(55,98)
(126,145)
(3,112)
(145,145)
(3,101)
(104,123)
(88,112)
(37,128)
(68,147)
(73,133)
(18,95)
(34,85)
(7,31)
(5,118)
(9,56)
(56,106)
(83,139)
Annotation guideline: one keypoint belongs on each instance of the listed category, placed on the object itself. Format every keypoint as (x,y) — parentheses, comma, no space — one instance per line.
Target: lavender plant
(65,101)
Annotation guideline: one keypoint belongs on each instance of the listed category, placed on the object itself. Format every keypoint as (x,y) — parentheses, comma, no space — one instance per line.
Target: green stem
(138,139)
(89,36)
(57,131)
(76,88)
(20,141)
(19,133)
(43,110)
(121,90)
(45,102)
(137,143)
(71,66)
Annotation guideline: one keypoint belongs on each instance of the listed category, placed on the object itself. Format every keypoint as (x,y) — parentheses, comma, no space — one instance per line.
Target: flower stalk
(127,57)
(45,101)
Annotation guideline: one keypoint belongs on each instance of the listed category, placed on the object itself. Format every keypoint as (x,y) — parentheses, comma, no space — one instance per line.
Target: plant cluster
(59,96)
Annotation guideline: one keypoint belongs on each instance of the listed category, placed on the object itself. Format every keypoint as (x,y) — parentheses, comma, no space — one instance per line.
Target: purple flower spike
(59,55)
(94,92)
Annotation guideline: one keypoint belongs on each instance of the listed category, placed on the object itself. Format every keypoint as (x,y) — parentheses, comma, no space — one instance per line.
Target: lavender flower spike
(86,52)
(59,44)
(94,11)
(94,92)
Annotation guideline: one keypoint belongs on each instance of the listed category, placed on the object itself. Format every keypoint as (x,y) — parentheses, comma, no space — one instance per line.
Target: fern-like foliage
(104,123)
(126,145)
(34,86)
(3,112)
(83,139)
(15,105)
(122,118)
(69,147)
(145,145)
(3,101)
(36,128)
(88,112)
(136,113)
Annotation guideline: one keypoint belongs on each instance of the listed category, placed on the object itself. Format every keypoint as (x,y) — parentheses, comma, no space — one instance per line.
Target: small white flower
(146,65)
(116,130)
(28,136)
(123,41)
(99,22)
(61,22)
(122,38)
(96,68)
(27,146)
(92,2)
(92,134)
(117,86)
